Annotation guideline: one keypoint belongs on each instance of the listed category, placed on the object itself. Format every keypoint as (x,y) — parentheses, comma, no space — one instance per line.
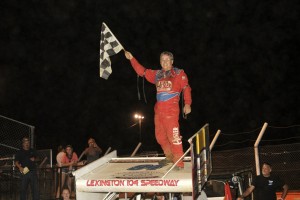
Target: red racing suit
(169,85)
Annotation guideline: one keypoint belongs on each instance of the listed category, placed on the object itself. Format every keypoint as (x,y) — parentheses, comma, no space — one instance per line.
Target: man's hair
(266,163)
(25,139)
(168,54)
(69,146)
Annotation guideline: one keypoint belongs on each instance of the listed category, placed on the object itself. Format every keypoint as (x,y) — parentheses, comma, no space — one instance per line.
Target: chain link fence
(285,161)
(11,134)
(284,158)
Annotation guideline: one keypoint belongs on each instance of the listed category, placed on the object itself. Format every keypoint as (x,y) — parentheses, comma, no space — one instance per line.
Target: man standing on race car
(170,82)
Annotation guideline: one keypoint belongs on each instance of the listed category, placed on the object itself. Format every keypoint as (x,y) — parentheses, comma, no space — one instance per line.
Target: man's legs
(168,136)
(172,129)
(161,137)
(24,186)
(34,185)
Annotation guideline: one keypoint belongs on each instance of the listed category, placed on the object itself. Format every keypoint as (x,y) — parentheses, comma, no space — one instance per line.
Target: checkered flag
(109,45)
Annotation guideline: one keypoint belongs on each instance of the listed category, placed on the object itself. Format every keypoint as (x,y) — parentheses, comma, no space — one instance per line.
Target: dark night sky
(241,58)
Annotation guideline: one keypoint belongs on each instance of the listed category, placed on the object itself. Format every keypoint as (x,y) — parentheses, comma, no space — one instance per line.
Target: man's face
(91,142)
(266,170)
(26,144)
(166,62)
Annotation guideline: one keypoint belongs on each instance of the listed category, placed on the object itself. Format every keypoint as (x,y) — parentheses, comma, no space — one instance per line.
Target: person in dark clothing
(25,162)
(266,185)
(93,151)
